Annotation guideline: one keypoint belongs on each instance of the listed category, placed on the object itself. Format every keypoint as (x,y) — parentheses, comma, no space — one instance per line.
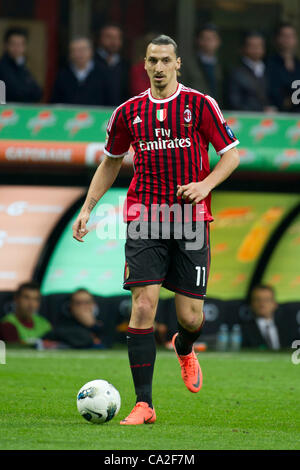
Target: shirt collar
(257,67)
(165,100)
(265,321)
(20,60)
(114,59)
(81,74)
(207,59)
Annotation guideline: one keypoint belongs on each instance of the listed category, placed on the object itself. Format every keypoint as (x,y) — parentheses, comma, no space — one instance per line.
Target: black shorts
(169,261)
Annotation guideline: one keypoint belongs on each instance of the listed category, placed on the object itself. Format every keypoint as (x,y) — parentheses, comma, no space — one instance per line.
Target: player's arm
(103,179)
(116,147)
(215,130)
(197,191)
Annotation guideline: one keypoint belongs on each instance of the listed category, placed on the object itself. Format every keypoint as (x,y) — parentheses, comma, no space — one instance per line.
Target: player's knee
(143,309)
(161,328)
(192,319)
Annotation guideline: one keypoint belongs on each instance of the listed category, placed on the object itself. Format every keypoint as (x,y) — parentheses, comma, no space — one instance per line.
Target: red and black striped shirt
(170,139)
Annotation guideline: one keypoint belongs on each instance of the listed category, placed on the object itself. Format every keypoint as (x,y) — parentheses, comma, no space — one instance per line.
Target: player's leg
(190,318)
(140,340)
(146,265)
(187,277)
(142,351)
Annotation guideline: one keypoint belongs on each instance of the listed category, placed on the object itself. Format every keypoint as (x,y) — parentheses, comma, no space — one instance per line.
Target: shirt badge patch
(161,114)
(229,131)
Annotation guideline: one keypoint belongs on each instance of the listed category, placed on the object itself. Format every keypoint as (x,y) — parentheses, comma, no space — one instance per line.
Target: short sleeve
(215,128)
(118,137)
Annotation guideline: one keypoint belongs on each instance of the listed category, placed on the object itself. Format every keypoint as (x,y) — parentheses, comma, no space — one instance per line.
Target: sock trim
(140,365)
(140,331)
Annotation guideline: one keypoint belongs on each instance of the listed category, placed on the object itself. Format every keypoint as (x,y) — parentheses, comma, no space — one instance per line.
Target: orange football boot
(142,413)
(190,369)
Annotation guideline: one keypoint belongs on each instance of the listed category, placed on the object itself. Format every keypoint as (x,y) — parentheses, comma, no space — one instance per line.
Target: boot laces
(135,409)
(189,364)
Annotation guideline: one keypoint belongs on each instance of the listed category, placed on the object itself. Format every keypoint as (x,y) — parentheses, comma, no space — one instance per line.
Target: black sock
(142,354)
(185,339)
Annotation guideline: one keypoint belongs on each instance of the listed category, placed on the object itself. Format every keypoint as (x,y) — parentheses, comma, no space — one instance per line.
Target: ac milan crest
(187,115)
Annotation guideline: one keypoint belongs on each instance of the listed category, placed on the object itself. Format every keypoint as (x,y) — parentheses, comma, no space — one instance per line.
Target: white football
(98,401)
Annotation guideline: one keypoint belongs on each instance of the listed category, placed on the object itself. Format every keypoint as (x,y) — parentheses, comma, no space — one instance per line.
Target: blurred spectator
(283,68)
(81,81)
(263,329)
(25,325)
(247,88)
(202,71)
(138,78)
(21,87)
(80,328)
(114,66)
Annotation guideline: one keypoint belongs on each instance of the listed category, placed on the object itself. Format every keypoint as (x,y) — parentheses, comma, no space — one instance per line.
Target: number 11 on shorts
(201,273)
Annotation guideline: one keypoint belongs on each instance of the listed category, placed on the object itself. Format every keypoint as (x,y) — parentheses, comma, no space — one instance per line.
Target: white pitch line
(123,355)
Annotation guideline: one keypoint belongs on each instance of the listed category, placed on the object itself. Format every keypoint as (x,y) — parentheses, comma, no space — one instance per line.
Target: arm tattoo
(92,204)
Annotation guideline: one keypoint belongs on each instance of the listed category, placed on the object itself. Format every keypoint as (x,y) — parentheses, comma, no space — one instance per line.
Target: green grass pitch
(248,401)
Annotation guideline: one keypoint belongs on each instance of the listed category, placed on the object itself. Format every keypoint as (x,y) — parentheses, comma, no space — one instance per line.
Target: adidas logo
(137,120)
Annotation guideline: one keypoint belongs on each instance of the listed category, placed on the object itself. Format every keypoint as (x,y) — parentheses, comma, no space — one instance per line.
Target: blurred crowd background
(244,53)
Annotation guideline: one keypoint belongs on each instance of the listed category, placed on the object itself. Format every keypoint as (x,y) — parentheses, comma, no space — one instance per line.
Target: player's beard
(160,85)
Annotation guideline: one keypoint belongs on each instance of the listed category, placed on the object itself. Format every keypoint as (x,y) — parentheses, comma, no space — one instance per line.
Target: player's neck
(163,93)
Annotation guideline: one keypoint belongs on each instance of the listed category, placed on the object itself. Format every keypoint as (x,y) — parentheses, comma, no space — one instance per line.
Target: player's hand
(79,226)
(193,192)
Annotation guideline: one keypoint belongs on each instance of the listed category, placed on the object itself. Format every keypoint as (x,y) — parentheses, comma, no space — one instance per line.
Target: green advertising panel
(243,224)
(283,270)
(52,123)
(268,142)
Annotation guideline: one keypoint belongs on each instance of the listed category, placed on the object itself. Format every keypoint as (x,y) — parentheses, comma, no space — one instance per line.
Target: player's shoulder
(207,102)
(203,96)
(128,102)
(192,91)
